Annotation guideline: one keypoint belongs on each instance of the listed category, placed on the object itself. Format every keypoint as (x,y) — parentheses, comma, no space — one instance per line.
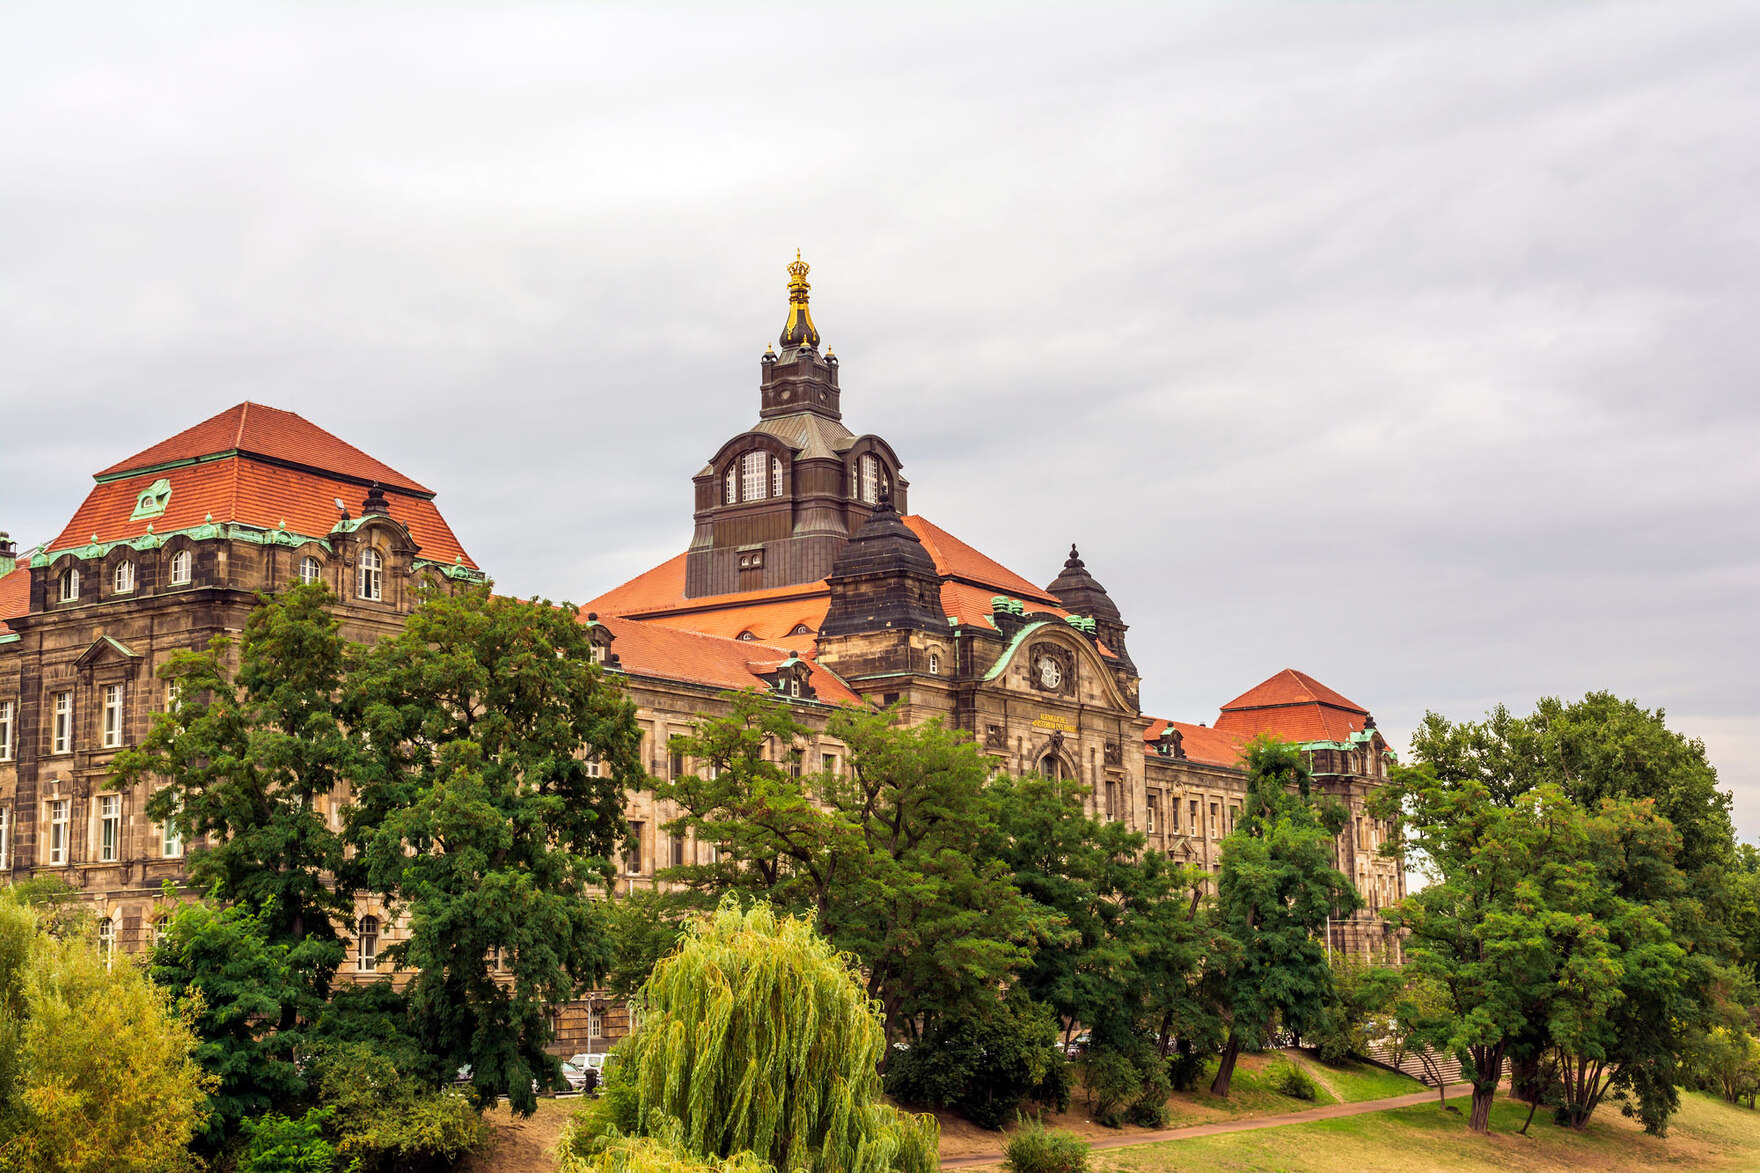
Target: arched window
(310,569)
(107,942)
(775,477)
(732,494)
(123,579)
(934,663)
(366,958)
(372,574)
(751,472)
(872,478)
(180,568)
(70,584)
(1051,766)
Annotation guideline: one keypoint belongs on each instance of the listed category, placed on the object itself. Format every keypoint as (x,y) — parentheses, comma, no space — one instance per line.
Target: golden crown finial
(798,331)
(798,270)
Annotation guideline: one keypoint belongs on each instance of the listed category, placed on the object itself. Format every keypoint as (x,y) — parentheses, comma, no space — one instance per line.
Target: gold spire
(799,330)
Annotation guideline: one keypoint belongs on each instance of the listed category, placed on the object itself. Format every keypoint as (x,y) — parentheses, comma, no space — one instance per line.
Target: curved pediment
(1074,661)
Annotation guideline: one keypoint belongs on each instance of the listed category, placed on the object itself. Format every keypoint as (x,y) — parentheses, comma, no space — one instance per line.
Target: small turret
(883,580)
(1078,592)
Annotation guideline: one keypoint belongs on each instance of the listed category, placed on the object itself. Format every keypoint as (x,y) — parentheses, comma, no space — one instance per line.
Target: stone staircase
(1409,1064)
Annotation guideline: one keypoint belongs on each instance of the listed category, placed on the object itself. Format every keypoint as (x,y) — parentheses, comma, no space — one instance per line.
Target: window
(112,716)
(372,574)
(181,562)
(160,925)
(870,480)
(675,766)
(123,577)
(366,947)
(595,1025)
(801,629)
(794,685)
(107,942)
(751,471)
(632,850)
(732,494)
(1213,822)
(5,731)
(310,569)
(109,828)
(5,838)
(172,843)
(62,741)
(677,846)
(775,477)
(595,768)
(70,584)
(746,635)
(1149,814)
(934,663)
(1173,817)
(1196,829)
(59,814)
(828,763)
(1112,800)
(1051,766)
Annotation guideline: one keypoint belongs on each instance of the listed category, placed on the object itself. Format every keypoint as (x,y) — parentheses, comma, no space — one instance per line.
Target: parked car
(574,1074)
(1077,1045)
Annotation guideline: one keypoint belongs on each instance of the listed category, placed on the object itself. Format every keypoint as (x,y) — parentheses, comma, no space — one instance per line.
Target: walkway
(1247,1124)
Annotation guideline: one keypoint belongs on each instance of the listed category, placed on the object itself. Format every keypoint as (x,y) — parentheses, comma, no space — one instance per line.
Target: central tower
(776,504)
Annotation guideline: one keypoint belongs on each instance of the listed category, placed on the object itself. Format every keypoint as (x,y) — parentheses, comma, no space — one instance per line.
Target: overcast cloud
(1412,345)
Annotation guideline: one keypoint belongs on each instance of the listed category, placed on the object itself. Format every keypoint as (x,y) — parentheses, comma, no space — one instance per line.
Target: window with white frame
(1149,814)
(160,926)
(732,486)
(181,568)
(372,574)
(107,942)
(171,843)
(109,828)
(775,477)
(751,473)
(112,716)
(122,579)
(366,956)
(871,480)
(70,584)
(61,740)
(934,663)
(6,730)
(310,569)
(595,1024)
(60,815)
(5,838)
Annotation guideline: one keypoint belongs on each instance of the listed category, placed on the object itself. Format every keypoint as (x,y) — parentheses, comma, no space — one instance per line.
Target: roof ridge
(244,413)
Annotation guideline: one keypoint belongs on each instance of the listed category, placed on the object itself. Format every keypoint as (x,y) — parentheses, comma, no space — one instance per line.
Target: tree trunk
(1480,1121)
(1487,1067)
(1225,1071)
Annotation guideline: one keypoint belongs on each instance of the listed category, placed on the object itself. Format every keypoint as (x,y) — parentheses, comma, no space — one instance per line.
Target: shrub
(1186,1068)
(280,1145)
(1292,1081)
(1126,1080)
(985,1067)
(1037,1149)
(387,1121)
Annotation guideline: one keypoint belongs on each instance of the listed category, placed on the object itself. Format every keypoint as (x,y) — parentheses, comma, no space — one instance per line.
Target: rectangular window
(109,828)
(1149,815)
(752,476)
(173,838)
(6,731)
(828,763)
(5,838)
(1193,824)
(678,851)
(675,766)
(595,768)
(63,740)
(112,716)
(595,1025)
(1213,822)
(60,813)
(632,850)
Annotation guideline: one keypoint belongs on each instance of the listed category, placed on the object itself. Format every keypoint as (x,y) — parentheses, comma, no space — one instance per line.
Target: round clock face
(1050,672)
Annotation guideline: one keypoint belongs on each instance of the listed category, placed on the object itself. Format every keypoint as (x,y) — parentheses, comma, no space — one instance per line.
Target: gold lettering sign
(1054,721)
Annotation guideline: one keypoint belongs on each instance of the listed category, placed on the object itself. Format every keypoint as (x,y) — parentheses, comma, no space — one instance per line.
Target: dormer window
(752,470)
(372,575)
(746,635)
(310,570)
(180,568)
(801,629)
(753,477)
(70,584)
(122,579)
(866,478)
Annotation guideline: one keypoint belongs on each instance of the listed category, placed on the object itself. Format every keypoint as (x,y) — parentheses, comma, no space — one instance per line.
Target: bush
(1126,1080)
(1037,1149)
(985,1067)
(1292,1081)
(280,1145)
(1186,1068)
(387,1121)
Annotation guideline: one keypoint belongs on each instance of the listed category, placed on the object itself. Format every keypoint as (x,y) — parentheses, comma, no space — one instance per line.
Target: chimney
(8,554)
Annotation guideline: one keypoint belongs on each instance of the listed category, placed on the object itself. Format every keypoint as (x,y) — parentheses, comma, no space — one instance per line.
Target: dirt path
(1329,1112)
(1295,1056)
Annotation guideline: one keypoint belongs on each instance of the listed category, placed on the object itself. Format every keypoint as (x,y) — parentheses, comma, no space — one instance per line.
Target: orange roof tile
(955,559)
(1209,746)
(1298,723)
(652,649)
(15,595)
(1291,687)
(249,492)
(269,432)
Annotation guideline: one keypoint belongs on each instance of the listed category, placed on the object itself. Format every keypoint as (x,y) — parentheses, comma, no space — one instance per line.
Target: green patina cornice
(456,569)
(1002,661)
(208,530)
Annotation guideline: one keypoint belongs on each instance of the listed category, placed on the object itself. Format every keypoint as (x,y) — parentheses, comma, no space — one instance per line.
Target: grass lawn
(1708,1134)
(1355,1082)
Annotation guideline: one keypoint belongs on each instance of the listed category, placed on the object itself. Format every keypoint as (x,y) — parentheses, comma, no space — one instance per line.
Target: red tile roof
(15,596)
(651,649)
(1293,706)
(270,432)
(1210,746)
(250,492)
(955,559)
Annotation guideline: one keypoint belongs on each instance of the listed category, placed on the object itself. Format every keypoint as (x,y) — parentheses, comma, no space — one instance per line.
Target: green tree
(494,756)
(231,982)
(1362,995)
(986,1066)
(756,1037)
(1277,887)
(644,927)
(885,856)
(254,760)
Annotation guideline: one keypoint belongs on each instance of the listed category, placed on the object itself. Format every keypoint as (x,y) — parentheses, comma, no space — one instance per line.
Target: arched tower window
(310,570)
(775,477)
(866,479)
(372,574)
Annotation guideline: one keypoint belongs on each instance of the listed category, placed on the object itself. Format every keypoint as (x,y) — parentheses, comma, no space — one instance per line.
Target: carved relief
(1114,754)
(995,737)
(1052,669)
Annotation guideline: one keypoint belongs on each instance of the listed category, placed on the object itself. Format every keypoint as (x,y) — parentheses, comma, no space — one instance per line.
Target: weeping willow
(756,1038)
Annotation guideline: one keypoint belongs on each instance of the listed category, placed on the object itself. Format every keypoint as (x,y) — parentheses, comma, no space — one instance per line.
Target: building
(806,576)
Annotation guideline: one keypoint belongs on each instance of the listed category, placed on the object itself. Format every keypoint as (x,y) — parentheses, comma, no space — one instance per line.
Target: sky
(1409,345)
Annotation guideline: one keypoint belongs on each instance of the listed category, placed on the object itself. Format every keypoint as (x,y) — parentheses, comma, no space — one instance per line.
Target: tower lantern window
(752,476)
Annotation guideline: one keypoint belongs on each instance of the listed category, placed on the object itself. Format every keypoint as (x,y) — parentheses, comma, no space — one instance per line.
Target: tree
(756,1037)
(97,1067)
(1277,888)
(644,927)
(1362,994)
(494,756)
(231,983)
(885,856)
(254,759)
(986,1066)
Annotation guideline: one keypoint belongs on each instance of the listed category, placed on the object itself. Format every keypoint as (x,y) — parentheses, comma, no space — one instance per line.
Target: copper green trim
(167,466)
(204,532)
(456,569)
(1001,665)
(10,639)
